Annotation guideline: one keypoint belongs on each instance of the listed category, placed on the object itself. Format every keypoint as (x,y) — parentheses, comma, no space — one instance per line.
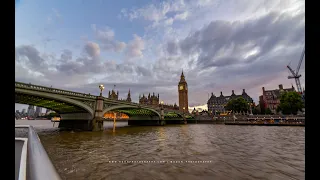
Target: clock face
(181,87)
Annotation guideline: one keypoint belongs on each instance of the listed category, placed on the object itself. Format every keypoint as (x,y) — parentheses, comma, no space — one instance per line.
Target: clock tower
(183,93)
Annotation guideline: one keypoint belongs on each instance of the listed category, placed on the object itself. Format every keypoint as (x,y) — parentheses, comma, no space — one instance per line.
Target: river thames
(186,152)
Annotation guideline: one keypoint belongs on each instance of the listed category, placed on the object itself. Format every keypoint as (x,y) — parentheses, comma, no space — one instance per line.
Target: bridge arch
(129,106)
(56,97)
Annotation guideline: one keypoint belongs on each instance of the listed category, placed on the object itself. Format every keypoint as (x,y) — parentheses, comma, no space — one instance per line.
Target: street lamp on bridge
(101,87)
(161,112)
(184,117)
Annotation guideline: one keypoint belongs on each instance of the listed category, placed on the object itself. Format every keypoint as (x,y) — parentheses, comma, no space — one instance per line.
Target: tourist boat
(31,159)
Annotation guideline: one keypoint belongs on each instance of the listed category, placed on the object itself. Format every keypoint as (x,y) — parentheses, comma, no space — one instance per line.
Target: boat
(31,159)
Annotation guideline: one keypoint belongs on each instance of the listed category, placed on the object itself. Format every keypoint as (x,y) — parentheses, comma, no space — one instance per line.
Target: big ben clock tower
(183,93)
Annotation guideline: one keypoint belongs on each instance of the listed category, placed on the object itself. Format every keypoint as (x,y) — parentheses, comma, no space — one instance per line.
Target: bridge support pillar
(97,121)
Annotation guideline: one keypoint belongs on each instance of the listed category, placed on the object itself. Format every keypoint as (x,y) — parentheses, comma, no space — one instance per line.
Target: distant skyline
(221,45)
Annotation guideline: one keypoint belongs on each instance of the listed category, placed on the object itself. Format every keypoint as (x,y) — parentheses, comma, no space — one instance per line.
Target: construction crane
(295,74)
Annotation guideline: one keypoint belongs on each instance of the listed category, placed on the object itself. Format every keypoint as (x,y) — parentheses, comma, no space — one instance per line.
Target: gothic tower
(183,93)
(129,96)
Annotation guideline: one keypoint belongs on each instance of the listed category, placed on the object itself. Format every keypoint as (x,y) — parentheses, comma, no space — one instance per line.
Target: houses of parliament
(154,100)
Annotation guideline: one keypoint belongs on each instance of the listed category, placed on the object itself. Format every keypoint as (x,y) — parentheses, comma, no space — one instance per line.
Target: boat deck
(20,158)
(18,152)
(31,159)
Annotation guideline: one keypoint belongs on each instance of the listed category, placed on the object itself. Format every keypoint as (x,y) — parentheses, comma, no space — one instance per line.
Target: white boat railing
(23,159)
(39,165)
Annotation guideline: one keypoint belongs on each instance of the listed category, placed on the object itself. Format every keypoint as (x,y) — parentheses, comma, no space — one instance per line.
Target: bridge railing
(52,90)
(66,92)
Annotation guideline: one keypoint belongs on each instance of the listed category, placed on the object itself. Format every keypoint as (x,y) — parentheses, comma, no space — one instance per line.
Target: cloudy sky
(143,45)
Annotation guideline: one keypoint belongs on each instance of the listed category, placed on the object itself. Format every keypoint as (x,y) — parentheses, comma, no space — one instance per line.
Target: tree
(256,110)
(268,111)
(237,105)
(290,103)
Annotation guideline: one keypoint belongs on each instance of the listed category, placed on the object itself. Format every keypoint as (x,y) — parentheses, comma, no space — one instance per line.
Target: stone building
(217,103)
(170,106)
(129,96)
(271,98)
(113,95)
(150,100)
(183,93)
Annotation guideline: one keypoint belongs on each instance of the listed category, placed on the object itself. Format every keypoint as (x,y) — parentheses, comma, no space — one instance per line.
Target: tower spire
(182,78)
(129,96)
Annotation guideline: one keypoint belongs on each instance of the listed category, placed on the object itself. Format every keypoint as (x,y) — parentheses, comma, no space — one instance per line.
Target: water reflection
(235,152)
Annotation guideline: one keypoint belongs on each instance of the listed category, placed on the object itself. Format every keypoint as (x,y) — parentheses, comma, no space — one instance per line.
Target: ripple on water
(235,152)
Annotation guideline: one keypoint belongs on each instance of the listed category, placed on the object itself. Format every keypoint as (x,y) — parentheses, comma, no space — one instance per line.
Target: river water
(186,152)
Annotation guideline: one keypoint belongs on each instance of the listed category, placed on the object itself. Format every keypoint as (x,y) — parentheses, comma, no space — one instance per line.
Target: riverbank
(262,124)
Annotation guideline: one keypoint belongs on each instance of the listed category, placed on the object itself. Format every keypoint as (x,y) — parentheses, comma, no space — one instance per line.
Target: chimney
(243,91)
(232,91)
(263,89)
(280,86)
(221,93)
(212,94)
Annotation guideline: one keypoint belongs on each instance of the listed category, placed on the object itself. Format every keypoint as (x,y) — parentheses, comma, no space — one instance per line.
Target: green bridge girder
(171,115)
(136,112)
(55,105)
(145,112)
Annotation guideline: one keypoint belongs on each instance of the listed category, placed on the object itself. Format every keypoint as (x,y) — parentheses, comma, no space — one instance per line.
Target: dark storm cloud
(90,64)
(232,40)
(30,55)
(238,55)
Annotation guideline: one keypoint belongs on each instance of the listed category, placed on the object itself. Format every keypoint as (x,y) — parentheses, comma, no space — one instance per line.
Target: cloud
(92,49)
(181,16)
(106,38)
(225,51)
(135,47)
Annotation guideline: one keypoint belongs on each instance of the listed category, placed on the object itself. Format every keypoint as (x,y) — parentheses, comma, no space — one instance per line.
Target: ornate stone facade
(183,93)
(271,98)
(170,106)
(129,96)
(150,100)
(217,103)
(113,95)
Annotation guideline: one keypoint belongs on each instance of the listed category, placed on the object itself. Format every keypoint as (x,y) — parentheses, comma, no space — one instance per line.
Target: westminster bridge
(85,111)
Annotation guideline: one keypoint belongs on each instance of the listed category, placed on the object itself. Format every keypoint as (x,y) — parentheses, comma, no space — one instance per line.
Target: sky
(143,45)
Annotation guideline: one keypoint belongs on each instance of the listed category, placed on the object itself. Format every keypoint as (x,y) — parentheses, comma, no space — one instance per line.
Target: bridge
(85,111)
